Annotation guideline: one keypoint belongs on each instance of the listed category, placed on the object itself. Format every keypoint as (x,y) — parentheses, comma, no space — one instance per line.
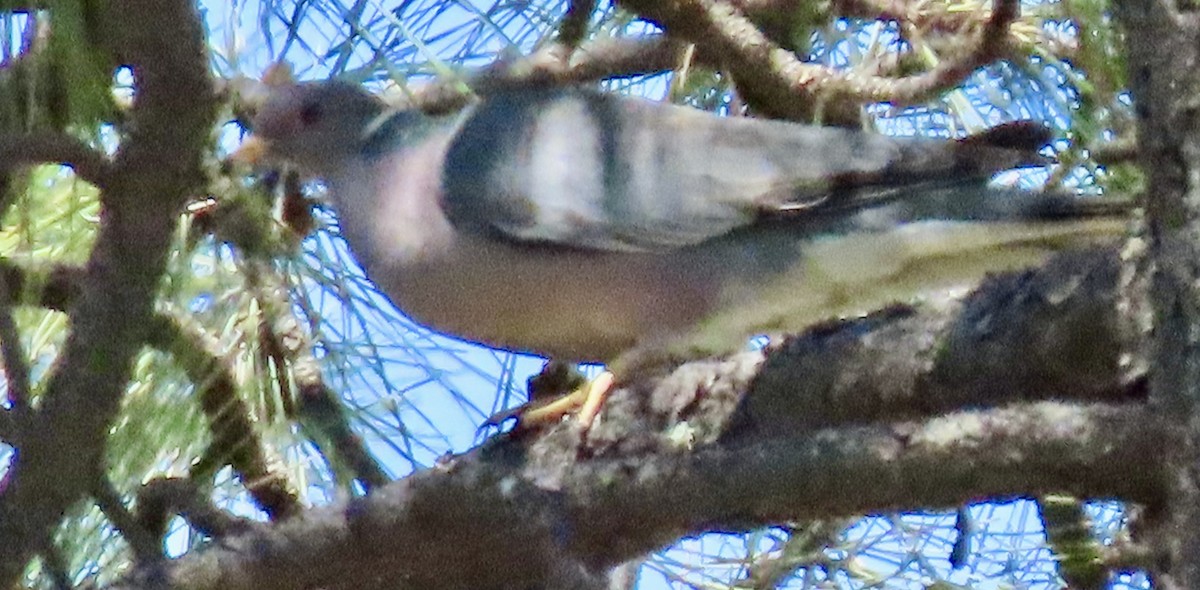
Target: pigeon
(577,224)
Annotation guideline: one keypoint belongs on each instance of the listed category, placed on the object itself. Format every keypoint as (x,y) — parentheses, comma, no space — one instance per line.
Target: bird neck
(394,129)
(389,200)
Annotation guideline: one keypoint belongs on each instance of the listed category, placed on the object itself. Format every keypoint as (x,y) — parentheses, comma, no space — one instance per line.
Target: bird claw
(585,402)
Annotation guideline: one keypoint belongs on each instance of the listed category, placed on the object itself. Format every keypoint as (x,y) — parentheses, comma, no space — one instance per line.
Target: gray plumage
(579,225)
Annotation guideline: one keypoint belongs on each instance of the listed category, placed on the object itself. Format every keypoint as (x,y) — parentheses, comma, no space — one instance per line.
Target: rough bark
(801,430)
(1163,42)
(156,167)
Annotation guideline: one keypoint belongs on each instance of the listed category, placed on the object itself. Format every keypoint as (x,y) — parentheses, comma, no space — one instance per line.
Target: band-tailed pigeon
(582,225)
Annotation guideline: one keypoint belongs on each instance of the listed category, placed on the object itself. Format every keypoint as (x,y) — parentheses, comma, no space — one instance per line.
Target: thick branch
(701,449)
(505,509)
(1163,41)
(156,167)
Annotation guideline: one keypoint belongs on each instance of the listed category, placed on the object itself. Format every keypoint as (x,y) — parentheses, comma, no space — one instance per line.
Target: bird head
(314,125)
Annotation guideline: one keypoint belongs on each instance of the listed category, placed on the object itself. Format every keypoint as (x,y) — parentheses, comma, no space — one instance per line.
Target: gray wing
(598,171)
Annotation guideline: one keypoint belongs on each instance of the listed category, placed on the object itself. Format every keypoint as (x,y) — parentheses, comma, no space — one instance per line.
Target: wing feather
(591,170)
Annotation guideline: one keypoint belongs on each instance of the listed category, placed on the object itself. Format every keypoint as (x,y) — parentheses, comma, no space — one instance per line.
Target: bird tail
(1003,147)
(898,253)
(1013,204)
(928,164)
(1055,206)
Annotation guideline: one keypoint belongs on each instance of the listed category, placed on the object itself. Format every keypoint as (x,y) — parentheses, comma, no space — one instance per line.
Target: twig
(38,148)
(162,498)
(235,442)
(573,28)
(147,546)
(596,60)
(56,567)
(318,406)
(992,43)
(1118,151)
(775,82)
(50,286)
(16,363)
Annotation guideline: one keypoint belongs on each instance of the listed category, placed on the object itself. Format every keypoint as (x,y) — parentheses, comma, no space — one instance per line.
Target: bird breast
(571,304)
(576,305)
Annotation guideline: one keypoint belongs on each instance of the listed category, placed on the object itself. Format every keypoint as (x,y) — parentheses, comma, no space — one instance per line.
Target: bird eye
(310,114)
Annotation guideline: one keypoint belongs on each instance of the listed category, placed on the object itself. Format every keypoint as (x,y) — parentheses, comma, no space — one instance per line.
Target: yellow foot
(585,401)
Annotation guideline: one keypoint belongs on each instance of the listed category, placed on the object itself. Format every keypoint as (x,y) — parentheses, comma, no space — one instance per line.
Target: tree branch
(574,26)
(1163,42)
(507,508)
(155,169)
(8,428)
(318,407)
(706,449)
(147,547)
(16,362)
(595,60)
(235,439)
(776,83)
(162,498)
(42,148)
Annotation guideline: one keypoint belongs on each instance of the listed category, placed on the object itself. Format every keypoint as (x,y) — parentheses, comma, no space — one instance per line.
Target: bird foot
(585,402)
